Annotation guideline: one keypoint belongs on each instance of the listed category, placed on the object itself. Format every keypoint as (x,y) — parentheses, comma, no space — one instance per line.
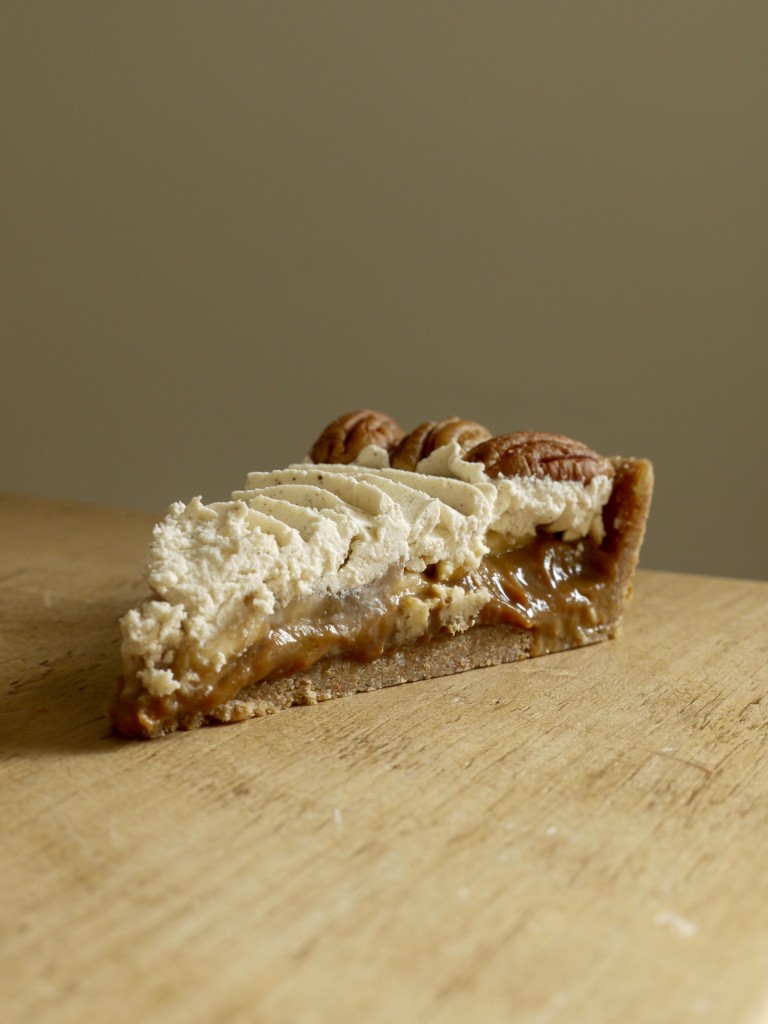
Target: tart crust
(624,518)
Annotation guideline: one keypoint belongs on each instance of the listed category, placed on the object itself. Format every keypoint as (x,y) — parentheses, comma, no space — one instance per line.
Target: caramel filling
(562,592)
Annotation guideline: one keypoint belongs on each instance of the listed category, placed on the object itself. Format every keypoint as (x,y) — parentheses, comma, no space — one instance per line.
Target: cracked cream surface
(315,529)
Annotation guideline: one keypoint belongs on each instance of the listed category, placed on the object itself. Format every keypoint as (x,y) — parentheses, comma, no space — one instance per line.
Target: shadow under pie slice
(327,579)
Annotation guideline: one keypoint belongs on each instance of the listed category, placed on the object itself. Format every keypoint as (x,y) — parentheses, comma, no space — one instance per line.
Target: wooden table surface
(578,838)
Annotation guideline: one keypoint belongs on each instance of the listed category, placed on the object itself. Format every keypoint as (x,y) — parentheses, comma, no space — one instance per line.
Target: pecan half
(530,453)
(344,439)
(433,434)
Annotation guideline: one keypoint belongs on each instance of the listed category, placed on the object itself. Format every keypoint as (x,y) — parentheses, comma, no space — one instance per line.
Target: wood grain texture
(579,838)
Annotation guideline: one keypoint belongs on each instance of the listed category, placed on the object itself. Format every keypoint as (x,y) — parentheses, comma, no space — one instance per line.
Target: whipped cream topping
(312,529)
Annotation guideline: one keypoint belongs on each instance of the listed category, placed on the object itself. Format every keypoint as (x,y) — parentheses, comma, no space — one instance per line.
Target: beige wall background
(225,223)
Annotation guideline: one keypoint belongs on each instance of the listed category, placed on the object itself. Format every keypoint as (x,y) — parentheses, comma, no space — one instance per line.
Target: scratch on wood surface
(677,923)
(667,752)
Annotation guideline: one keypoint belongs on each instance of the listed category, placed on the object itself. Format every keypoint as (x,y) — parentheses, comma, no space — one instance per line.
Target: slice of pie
(384,558)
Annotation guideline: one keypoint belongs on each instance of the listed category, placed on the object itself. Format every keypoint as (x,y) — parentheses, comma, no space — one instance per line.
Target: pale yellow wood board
(579,838)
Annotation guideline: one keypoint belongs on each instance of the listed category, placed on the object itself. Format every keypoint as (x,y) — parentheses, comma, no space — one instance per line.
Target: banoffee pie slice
(383,558)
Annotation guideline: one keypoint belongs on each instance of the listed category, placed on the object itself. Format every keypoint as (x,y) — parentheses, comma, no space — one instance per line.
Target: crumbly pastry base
(479,647)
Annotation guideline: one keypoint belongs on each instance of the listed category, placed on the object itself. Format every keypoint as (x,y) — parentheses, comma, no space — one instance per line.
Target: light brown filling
(560,591)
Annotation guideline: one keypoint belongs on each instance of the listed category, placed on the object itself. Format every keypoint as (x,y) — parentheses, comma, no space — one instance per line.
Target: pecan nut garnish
(433,434)
(344,439)
(531,453)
